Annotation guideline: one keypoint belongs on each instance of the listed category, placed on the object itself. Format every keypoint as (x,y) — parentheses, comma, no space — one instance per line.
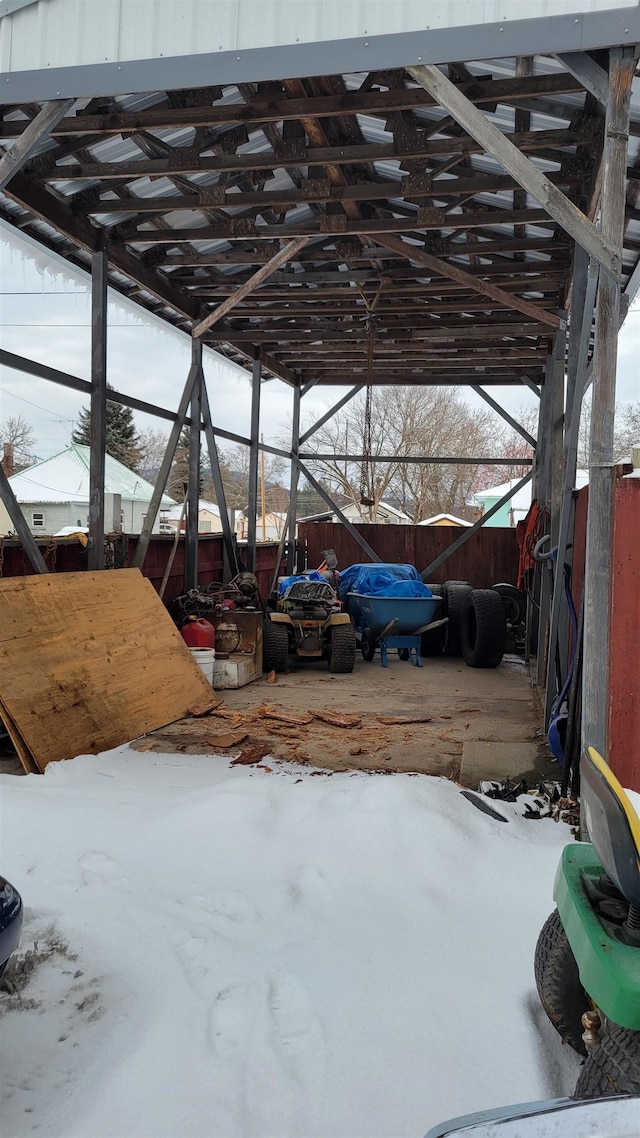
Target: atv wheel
(276,647)
(342,651)
(483,629)
(613,1067)
(367,645)
(455,594)
(561,993)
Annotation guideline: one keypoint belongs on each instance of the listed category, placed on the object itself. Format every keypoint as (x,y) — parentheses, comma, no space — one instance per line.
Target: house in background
(444,520)
(208,519)
(55,493)
(517,508)
(271,527)
(358,515)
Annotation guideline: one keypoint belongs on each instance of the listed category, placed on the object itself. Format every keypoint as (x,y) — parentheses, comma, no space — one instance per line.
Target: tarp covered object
(311,575)
(380,580)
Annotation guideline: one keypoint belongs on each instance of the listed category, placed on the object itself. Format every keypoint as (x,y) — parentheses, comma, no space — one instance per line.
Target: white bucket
(204,658)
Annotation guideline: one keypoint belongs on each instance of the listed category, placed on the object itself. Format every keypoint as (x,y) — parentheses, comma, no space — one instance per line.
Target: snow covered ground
(229,952)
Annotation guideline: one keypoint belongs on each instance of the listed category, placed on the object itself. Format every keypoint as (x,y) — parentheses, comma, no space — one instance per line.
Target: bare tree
(418,422)
(235,476)
(17,433)
(153,444)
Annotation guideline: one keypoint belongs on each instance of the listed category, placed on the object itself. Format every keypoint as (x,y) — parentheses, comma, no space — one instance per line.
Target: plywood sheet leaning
(89,661)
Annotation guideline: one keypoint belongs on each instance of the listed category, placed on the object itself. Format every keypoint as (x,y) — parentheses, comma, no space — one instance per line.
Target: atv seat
(613,825)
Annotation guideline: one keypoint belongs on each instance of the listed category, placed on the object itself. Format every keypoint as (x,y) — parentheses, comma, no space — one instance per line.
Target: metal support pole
(254,435)
(585,277)
(330,413)
(542,490)
(98,404)
(597,585)
(504,414)
(557,432)
(11,505)
(467,533)
(163,473)
(371,553)
(193,490)
(216,474)
(293,485)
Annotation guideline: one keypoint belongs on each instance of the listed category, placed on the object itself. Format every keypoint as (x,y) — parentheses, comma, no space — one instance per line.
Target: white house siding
(59,514)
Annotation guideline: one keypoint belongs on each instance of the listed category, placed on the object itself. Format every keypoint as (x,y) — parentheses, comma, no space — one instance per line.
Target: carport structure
(455,207)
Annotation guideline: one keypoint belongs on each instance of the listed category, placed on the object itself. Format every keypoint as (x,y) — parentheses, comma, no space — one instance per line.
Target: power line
(38,407)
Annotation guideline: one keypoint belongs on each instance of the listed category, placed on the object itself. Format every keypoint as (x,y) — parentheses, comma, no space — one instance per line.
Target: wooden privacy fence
(490,555)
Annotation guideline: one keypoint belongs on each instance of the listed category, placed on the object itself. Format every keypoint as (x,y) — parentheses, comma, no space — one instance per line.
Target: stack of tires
(476,627)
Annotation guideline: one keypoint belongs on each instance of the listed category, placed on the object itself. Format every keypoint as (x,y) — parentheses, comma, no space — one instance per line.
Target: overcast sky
(45,315)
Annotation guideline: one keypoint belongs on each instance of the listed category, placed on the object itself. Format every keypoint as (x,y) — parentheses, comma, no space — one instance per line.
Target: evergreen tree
(122,443)
(179,475)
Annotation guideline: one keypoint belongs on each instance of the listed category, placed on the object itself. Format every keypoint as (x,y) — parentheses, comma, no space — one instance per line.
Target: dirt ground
(481,724)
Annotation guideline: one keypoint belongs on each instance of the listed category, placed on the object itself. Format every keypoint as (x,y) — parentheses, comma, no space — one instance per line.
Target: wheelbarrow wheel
(342,652)
(613,1067)
(561,993)
(403,653)
(367,645)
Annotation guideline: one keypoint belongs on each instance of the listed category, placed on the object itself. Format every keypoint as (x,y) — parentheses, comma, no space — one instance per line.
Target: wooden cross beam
(37,130)
(285,254)
(443,268)
(559,207)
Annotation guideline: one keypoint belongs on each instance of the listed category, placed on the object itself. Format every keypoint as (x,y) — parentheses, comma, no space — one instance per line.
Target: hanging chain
(367,491)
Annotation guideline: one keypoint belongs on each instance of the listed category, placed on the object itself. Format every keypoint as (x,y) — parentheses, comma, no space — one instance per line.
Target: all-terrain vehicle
(587,961)
(306,619)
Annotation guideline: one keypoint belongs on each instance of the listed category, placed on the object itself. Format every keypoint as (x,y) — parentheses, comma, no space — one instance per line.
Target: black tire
(367,645)
(455,594)
(403,653)
(276,647)
(342,649)
(613,1067)
(515,605)
(561,993)
(436,590)
(483,629)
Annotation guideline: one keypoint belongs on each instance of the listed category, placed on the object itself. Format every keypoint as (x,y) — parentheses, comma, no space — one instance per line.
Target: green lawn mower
(587,961)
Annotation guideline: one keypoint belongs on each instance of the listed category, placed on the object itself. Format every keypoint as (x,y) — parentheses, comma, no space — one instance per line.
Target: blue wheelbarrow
(392,622)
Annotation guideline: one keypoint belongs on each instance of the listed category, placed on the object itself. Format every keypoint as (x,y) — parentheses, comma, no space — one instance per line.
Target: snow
(270,953)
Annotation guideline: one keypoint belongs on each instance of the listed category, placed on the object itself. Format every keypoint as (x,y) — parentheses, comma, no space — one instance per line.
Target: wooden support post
(163,474)
(98,404)
(289,250)
(598,243)
(467,533)
(293,484)
(504,414)
(228,536)
(31,137)
(356,535)
(597,586)
(193,488)
(19,522)
(254,436)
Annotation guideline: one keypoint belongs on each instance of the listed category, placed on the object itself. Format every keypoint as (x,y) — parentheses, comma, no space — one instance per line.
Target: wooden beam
(443,268)
(588,72)
(414,147)
(20,524)
(559,207)
(31,136)
(246,229)
(261,110)
(285,254)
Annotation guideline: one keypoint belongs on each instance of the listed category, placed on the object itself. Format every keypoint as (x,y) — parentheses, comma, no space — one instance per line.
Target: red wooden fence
(490,555)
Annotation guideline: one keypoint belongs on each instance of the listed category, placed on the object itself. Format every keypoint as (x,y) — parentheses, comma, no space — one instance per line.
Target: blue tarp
(380,580)
(311,575)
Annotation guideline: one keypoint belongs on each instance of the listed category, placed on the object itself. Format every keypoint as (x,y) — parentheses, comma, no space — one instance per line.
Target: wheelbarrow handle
(429,627)
(387,628)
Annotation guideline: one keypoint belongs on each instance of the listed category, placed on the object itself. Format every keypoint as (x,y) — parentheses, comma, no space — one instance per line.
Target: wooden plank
(559,207)
(24,754)
(89,661)
(19,522)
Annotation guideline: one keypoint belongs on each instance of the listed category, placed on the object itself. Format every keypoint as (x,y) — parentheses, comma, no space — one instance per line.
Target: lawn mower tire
(561,993)
(275,653)
(483,629)
(613,1067)
(342,650)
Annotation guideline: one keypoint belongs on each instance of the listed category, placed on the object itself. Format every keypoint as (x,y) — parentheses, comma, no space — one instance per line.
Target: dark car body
(10,921)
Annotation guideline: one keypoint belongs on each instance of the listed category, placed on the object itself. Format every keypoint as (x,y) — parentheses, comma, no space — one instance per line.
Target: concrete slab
(500,760)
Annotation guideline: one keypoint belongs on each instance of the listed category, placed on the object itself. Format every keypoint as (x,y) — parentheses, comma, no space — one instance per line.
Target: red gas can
(199,633)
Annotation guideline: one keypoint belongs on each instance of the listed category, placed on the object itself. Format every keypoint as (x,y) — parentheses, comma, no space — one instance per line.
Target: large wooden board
(89,661)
